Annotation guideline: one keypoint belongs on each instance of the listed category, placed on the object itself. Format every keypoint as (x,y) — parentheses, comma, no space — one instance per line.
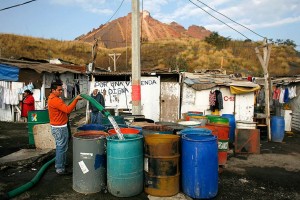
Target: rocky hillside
(117,33)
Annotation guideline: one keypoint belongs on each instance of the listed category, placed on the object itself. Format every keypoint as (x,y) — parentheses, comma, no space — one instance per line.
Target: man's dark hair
(55,84)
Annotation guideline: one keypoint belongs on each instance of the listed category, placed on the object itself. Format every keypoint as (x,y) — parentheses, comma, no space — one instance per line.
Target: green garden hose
(96,104)
(31,183)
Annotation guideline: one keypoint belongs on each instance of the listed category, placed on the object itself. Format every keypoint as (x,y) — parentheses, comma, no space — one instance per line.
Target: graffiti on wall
(118,93)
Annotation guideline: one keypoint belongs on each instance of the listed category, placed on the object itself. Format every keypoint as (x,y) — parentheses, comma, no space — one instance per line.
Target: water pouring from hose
(105,113)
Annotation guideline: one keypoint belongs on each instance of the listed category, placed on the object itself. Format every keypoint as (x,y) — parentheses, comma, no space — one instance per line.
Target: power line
(21,4)
(220,20)
(115,11)
(231,19)
(113,14)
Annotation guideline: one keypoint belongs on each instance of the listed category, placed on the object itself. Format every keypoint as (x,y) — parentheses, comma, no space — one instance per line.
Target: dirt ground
(272,174)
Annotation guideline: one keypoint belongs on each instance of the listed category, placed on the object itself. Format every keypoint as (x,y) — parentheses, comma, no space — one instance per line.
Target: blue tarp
(9,73)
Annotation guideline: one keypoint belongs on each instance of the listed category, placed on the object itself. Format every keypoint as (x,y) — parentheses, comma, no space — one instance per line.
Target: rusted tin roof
(207,81)
(43,67)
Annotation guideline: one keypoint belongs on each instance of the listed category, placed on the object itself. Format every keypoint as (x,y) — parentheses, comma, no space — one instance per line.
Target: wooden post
(264,61)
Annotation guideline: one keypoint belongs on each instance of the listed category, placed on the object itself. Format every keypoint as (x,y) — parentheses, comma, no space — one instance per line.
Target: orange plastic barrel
(222,133)
(161,164)
(124,131)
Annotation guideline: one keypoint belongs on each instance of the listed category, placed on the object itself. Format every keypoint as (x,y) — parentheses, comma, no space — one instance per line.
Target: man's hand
(78,97)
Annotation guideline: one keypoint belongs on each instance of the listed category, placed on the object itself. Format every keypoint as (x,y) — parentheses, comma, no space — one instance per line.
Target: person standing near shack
(58,114)
(96,115)
(27,103)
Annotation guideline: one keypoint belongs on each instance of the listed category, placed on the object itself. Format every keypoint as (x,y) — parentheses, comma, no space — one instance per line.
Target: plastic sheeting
(9,73)
(243,90)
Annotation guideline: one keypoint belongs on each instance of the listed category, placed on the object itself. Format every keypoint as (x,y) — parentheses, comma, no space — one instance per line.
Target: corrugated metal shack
(197,87)
(167,95)
(288,108)
(40,74)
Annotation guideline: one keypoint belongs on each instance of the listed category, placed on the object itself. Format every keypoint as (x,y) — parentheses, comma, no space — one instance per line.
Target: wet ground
(272,174)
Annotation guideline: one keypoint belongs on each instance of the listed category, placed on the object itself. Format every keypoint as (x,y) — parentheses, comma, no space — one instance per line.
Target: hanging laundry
(292,92)
(219,100)
(286,95)
(65,90)
(276,93)
(212,100)
(1,96)
(281,96)
(14,97)
(6,99)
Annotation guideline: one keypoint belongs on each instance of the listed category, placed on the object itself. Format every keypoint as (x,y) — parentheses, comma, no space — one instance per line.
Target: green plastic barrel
(36,117)
(219,120)
(211,117)
(125,165)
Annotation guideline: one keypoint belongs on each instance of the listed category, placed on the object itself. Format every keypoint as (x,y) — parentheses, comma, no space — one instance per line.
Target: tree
(217,40)
(289,42)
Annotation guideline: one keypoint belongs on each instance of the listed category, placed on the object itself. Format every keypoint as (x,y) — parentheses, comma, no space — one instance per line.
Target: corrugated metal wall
(296,121)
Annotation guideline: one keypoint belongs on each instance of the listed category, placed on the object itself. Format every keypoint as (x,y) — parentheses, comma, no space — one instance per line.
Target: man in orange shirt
(58,114)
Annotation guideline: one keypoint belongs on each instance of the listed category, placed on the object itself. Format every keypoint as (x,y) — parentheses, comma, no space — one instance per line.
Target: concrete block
(43,137)
(26,157)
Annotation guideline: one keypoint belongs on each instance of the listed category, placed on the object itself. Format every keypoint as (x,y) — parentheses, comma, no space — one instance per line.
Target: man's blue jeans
(61,135)
(96,118)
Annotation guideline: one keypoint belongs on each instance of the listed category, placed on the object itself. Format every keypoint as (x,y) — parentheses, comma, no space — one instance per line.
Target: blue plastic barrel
(199,165)
(92,127)
(125,165)
(232,125)
(277,128)
(199,131)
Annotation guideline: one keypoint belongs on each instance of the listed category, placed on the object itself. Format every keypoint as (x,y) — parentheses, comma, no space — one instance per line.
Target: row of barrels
(155,163)
(277,125)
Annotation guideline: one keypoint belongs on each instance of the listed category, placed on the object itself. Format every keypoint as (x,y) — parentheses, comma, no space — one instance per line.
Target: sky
(68,19)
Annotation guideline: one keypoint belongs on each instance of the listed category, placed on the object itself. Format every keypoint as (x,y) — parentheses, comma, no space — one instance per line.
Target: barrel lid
(90,135)
(199,137)
(202,131)
(127,137)
(189,123)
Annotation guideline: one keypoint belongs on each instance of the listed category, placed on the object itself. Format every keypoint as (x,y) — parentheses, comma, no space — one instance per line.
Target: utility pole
(264,61)
(136,58)
(114,57)
(222,61)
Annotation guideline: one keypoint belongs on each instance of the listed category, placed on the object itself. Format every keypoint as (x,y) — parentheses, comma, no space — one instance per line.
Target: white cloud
(93,6)
(155,5)
(252,13)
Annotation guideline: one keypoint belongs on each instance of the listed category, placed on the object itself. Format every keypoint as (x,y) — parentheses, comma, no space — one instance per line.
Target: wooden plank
(170,100)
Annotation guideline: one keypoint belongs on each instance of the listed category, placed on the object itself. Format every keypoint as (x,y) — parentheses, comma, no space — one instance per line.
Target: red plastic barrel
(124,131)
(222,133)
